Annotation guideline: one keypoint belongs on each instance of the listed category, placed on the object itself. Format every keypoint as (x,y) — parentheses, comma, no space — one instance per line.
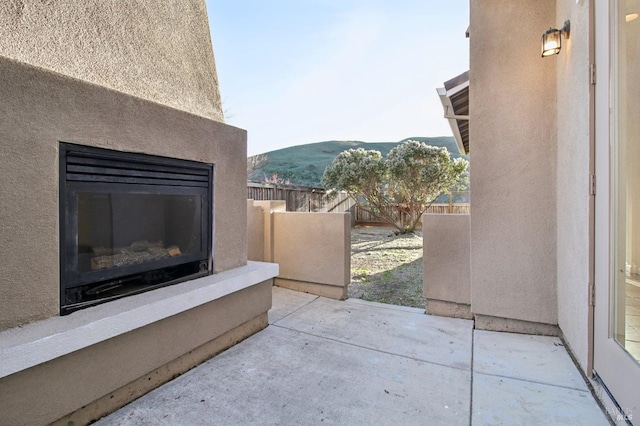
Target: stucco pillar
(513,133)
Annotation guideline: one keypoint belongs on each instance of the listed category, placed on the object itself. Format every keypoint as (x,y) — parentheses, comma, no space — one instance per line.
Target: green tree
(400,188)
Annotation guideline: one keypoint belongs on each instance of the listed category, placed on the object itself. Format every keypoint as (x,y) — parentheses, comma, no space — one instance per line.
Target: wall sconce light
(552,39)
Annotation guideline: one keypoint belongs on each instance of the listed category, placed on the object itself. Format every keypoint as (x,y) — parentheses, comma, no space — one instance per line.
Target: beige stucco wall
(268,207)
(255,232)
(313,251)
(513,129)
(156,50)
(447,273)
(39,109)
(573,177)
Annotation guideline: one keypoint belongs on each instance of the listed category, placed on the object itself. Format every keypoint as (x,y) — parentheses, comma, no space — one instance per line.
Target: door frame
(611,364)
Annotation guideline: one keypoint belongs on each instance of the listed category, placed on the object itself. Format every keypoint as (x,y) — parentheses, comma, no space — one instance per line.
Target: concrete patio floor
(323,361)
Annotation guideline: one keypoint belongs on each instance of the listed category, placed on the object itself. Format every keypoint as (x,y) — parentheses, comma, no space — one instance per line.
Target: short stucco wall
(313,251)
(447,273)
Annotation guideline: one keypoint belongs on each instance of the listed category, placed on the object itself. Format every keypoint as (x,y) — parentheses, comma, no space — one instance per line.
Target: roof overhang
(454,97)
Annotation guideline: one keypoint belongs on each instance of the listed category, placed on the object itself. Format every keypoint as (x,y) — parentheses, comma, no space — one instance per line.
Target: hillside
(305,164)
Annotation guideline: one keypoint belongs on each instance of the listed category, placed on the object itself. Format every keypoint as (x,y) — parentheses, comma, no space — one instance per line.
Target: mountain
(305,164)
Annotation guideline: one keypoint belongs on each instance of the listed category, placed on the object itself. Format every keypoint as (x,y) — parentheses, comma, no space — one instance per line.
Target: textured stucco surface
(573,178)
(156,50)
(38,110)
(268,207)
(447,274)
(513,129)
(313,247)
(255,232)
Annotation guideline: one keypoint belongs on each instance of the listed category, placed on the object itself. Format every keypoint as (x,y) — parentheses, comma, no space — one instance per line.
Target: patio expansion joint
(296,310)
(395,308)
(531,381)
(355,345)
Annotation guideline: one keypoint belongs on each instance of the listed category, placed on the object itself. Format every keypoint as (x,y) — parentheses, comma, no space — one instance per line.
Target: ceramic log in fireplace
(130,223)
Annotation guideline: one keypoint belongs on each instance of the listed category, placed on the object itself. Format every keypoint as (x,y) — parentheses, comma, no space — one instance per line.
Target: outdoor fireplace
(130,223)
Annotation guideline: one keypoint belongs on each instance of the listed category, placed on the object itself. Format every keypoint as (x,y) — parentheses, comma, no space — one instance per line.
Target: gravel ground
(386,268)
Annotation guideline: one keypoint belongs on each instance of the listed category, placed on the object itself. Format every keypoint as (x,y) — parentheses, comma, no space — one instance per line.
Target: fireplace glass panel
(125,229)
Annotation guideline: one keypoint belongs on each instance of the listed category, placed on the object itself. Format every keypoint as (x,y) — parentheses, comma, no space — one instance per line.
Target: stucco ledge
(511,325)
(445,308)
(331,291)
(36,343)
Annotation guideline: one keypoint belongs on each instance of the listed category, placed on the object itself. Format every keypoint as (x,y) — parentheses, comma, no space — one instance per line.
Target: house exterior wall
(574,156)
(126,46)
(513,128)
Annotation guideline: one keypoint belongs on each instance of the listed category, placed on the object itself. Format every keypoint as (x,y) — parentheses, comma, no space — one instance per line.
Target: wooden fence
(306,199)
(455,208)
(300,198)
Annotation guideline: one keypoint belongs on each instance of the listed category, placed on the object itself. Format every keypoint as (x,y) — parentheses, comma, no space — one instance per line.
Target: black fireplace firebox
(130,223)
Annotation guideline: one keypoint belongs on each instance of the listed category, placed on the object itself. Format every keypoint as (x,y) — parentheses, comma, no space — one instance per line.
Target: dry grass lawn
(385,267)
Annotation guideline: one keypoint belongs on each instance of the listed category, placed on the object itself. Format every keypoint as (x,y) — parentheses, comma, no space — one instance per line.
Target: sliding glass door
(617,233)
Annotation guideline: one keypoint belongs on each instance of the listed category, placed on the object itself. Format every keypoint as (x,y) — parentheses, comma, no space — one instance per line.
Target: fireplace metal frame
(96,170)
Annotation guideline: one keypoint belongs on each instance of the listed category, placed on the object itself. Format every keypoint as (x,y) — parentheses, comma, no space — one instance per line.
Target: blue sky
(293,72)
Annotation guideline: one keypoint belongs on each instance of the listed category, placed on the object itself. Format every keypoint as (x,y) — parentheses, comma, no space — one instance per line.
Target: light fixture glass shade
(551,42)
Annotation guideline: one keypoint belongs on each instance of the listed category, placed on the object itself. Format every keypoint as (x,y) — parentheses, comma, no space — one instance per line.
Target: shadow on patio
(357,362)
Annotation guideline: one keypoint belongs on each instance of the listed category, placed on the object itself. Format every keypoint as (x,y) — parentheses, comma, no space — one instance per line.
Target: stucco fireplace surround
(133,343)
